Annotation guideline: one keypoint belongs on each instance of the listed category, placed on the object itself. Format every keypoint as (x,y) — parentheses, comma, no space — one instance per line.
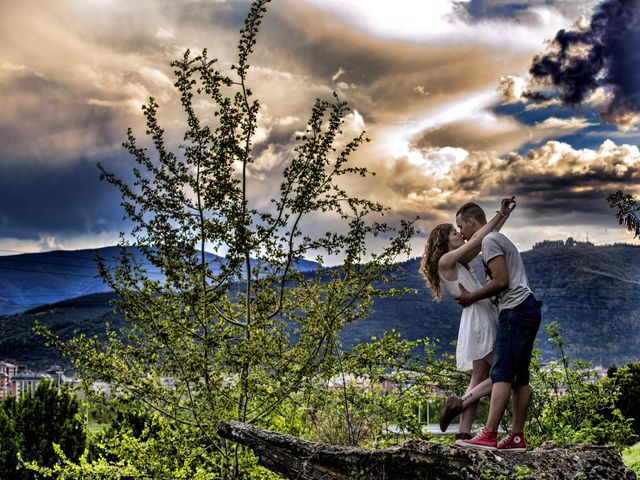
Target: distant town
(18,379)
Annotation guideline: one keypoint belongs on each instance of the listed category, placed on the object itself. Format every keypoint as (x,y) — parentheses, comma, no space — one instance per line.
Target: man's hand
(464,297)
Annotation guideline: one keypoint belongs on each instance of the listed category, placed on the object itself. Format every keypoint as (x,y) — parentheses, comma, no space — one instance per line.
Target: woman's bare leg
(480,386)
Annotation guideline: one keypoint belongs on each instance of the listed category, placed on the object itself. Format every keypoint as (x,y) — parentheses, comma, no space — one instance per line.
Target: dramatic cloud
(603,53)
(422,78)
(550,181)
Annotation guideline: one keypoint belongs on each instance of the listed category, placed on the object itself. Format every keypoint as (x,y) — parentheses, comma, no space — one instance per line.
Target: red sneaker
(513,442)
(485,440)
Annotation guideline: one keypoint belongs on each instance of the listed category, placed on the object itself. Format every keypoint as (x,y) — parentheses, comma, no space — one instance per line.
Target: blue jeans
(517,329)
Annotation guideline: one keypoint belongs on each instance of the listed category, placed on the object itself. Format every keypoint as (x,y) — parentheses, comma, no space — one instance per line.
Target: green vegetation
(631,457)
(251,338)
(571,404)
(628,379)
(36,426)
(521,473)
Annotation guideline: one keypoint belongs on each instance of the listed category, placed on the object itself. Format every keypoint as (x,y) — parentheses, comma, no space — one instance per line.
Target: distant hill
(34,279)
(591,291)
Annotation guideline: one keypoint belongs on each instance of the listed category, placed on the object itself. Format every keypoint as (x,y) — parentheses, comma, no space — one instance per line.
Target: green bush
(571,404)
(37,425)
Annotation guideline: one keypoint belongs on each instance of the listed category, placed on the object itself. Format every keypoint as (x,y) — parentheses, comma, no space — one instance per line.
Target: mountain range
(591,291)
(30,280)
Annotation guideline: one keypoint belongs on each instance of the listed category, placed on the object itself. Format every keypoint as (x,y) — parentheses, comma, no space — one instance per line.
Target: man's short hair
(472,210)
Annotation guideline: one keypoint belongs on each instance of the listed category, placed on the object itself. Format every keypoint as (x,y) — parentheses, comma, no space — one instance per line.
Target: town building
(17,379)
(7,371)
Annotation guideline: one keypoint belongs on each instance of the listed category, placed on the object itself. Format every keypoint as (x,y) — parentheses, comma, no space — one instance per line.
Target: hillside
(34,279)
(591,291)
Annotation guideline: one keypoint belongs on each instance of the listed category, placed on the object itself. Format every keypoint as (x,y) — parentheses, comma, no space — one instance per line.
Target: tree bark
(299,459)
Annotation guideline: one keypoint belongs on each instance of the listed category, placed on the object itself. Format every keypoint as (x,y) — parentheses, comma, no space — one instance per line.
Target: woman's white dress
(477,332)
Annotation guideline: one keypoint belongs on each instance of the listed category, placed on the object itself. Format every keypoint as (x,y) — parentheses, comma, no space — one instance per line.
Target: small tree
(35,427)
(235,337)
(9,447)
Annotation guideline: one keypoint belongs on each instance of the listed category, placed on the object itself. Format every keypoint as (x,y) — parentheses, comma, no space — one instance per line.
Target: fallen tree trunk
(299,459)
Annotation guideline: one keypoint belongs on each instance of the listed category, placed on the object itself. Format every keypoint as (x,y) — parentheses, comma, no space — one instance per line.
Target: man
(518,323)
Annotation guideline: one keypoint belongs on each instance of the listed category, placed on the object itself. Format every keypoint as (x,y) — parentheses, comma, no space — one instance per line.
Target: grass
(631,457)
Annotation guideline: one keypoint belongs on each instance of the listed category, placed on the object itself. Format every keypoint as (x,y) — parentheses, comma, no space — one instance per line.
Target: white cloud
(155,76)
(572,124)
(420,89)
(164,34)
(48,243)
(269,159)
(341,71)
(512,88)
(286,121)
(353,123)
(397,141)
(14,67)
(437,162)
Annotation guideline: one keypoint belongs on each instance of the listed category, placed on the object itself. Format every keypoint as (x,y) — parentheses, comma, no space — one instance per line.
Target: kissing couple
(495,338)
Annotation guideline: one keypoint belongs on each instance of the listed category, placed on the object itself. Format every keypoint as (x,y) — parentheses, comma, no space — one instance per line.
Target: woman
(446,262)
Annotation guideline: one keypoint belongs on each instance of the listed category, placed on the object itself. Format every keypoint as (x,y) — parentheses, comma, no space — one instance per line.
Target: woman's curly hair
(436,245)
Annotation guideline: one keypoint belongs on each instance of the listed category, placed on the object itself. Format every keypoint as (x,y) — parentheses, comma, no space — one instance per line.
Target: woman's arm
(503,220)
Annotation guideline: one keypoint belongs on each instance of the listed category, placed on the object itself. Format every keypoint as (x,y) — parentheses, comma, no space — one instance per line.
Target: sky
(466,100)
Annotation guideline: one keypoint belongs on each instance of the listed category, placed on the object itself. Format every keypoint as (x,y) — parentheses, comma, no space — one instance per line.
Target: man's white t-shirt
(496,244)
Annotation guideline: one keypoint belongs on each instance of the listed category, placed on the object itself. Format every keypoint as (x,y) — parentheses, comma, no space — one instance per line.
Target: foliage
(374,392)
(9,446)
(627,211)
(37,424)
(571,404)
(140,444)
(631,457)
(628,379)
(238,338)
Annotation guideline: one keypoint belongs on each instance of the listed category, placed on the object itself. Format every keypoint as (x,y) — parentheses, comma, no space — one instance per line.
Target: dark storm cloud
(56,200)
(605,54)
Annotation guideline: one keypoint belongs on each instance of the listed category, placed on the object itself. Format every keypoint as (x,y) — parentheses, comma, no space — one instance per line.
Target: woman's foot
(463,436)
(451,409)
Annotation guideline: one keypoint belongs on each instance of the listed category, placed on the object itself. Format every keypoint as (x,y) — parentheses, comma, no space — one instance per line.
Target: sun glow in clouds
(438,161)
(396,19)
